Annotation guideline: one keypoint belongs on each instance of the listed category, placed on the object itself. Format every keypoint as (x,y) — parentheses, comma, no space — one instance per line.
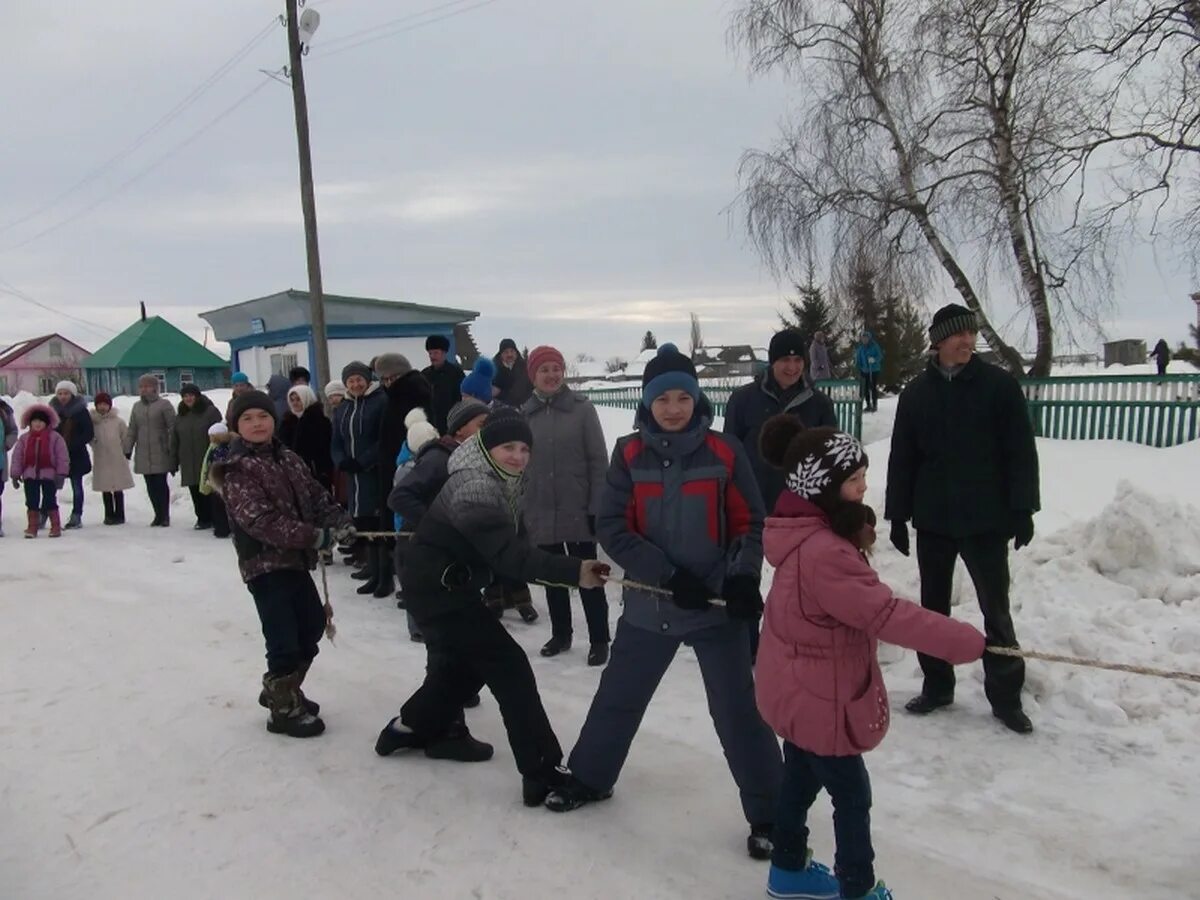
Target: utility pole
(308,201)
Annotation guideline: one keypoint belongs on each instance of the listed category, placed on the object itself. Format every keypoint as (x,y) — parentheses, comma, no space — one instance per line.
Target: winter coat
(111,472)
(217,452)
(151,424)
(444,382)
(275,507)
(406,393)
(817,679)
(514,384)
(869,356)
(356,446)
(75,425)
(565,477)
(1161,353)
(963,461)
(8,436)
(686,500)
(277,389)
(752,404)
(44,459)
(471,534)
(411,498)
(311,436)
(820,367)
(189,438)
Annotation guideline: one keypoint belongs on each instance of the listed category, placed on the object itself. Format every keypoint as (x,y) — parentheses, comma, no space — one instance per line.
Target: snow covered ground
(134,762)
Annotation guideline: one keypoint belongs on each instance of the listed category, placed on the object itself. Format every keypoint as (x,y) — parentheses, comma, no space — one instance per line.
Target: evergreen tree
(810,312)
(649,341)
(894,321)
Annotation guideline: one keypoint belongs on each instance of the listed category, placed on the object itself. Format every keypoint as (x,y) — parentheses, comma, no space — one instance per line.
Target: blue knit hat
(670,370)
(239,378)
(479,383)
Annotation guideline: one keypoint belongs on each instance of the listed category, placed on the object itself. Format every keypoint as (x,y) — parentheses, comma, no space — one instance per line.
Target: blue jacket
(356,448)
(686,500)
(869,356)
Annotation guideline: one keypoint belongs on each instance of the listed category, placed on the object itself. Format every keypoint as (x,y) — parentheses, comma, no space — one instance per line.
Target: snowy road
(134,762)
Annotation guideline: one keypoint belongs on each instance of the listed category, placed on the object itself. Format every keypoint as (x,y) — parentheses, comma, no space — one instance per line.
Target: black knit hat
(788,342)
(437,342)
(463,412)
(189,389)
(503,426)
(816,460)
(299,372)
(356,368)
(508,344)
(247,401)
(951,319)
(670,370)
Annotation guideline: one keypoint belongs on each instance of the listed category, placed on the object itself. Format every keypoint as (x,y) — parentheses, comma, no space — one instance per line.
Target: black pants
(292,616)
(114,506)
(160,495)
(470,649)
(870,389)
(220,518)
(986,558)
(41,494)
(595,603)
(202,505)
(846,780)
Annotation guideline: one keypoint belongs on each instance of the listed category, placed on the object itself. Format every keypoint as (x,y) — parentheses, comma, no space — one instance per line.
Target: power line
(13,291)
(166,119)
(138,176)
(324,53)
(390,22)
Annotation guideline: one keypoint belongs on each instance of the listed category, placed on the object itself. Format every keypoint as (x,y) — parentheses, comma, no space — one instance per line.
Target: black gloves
(1022,530)
(743,600)
(688,591)
(899,537)
(351,466)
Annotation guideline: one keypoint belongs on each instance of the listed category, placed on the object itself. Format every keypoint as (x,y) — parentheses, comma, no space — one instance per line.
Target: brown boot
(32,520)
(55,524)
(288,715)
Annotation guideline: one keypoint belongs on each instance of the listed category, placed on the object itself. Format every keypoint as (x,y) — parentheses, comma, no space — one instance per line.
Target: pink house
(36,365)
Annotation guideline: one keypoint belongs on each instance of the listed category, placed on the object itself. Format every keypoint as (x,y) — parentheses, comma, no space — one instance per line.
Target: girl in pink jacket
(817,681)
(41,461)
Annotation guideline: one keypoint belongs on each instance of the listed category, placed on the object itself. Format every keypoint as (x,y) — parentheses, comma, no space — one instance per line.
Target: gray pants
(639,660)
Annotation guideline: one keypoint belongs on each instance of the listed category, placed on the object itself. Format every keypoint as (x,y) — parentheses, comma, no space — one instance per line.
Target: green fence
(847,403)
(1160,411)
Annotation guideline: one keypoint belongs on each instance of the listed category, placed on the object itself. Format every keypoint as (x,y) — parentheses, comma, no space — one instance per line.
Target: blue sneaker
(879,892)
(813,882)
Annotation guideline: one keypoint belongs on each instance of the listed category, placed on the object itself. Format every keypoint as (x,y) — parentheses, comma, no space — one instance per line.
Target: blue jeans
(77,495)
(41,494)
(849,787)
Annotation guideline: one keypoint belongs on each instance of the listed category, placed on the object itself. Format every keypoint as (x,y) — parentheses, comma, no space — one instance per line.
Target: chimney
(143,306)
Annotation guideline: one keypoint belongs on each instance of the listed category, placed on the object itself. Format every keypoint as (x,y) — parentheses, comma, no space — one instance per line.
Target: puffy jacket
(514,384)
(566,472)
(75,425)
(45,459)
(406,393)
(752,404)
(189,438)
(472,533)
(869,356)
(356,438)
(683,500)
(445,383)
(8,433)
(275,507)
(311,437)
(151,423)
(964,461)
(412,496)
(111,468)
(817,679)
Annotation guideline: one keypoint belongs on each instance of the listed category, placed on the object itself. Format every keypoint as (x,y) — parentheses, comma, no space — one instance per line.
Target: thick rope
(330,628)
(1095,664)
(652,589)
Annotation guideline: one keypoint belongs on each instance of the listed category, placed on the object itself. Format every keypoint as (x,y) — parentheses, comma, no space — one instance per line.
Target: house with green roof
(154,346)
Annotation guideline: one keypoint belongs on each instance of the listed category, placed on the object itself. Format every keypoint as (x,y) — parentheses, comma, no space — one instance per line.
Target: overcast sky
(562,167)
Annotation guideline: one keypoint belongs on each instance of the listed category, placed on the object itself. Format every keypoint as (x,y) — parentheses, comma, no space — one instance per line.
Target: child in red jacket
(40,460)
(818,681)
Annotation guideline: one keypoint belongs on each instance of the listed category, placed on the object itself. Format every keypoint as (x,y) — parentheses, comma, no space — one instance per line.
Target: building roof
(291,309)
(153,343)
(13,352)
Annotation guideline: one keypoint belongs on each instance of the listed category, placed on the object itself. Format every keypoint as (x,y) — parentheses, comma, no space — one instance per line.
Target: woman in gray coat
(148,440)
(563,484)
(189,443)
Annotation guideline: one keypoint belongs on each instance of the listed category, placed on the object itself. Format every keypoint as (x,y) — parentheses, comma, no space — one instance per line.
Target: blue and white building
(272,334)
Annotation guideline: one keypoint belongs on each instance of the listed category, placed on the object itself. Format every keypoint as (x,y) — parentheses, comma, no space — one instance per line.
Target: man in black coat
(781,389)
(964,469)
(444,379)
(511,384)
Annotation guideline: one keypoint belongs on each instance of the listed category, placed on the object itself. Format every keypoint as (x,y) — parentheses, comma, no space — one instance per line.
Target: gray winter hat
(951,319)
(392,365)
(463,412)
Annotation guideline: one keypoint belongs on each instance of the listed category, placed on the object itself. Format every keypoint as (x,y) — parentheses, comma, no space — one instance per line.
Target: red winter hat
(539,356)
(102,398)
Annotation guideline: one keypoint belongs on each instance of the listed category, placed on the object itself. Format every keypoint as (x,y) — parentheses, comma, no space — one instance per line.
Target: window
(46,386)
(282,363)
(56,349)
(3,384)
(185,378)
(162,381)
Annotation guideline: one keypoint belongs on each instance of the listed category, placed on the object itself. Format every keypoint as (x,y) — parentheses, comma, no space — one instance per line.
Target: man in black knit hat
(964,469)
(444,377)
(781,389)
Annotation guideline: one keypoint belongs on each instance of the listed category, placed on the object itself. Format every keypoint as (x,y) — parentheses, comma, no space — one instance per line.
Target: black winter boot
(396,736)
(1014,720)
(760,845)
(598,654)
(372,570)
(556,645)
(119,508)
(458,745)
(288,715)
(386,583)
(924,704)
(568,793)
(110,514)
